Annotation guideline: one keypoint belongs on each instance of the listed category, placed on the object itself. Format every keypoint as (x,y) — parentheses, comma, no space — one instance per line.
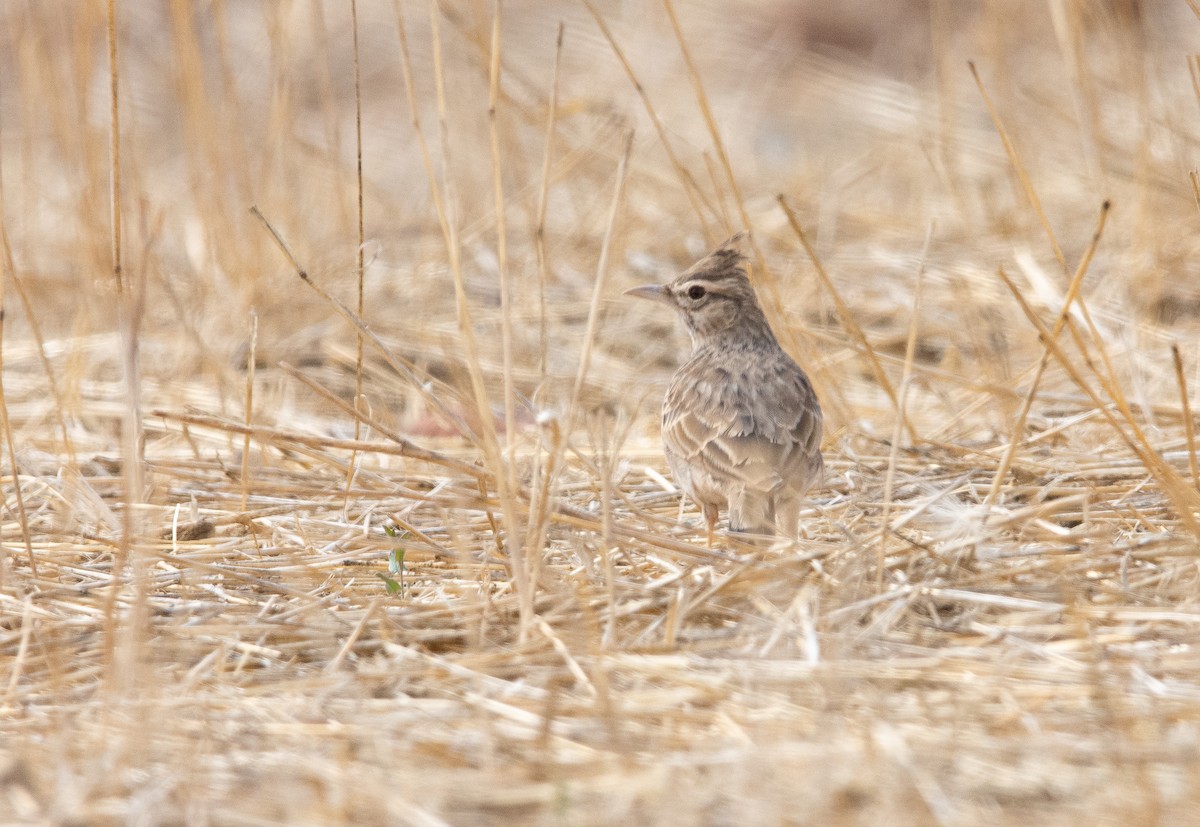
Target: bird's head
(713,296)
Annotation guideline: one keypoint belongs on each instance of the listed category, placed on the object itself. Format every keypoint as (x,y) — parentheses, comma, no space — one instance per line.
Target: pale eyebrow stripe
(714,283)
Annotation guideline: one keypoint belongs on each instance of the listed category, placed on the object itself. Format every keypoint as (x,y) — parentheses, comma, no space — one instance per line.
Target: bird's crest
(725,260)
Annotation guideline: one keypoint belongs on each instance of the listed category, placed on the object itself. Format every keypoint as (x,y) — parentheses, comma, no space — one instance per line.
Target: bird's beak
(649,291)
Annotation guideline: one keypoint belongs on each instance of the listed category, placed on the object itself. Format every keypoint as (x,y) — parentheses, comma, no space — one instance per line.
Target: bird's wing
(759,429)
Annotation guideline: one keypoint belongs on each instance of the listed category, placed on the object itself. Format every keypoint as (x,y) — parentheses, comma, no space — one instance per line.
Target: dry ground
(227,598)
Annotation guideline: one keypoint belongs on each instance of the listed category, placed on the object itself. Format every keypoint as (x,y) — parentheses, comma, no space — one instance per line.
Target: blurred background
(866,118)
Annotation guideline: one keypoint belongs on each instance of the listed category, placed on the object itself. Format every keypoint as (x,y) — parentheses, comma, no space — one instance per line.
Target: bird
(741,423)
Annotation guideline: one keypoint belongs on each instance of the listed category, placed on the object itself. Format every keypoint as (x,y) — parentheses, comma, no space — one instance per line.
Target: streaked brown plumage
(741,423)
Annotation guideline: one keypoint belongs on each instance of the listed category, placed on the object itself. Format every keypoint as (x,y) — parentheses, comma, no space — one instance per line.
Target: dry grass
(467,594)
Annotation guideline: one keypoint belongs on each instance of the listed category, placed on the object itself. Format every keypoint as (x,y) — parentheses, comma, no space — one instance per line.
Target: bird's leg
(710,520)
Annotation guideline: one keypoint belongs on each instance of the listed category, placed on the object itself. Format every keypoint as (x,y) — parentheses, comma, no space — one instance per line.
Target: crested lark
(741,425)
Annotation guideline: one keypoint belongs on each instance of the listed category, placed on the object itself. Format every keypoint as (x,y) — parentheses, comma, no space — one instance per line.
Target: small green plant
(394,579)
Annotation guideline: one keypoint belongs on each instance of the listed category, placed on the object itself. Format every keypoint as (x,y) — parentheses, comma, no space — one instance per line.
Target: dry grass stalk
(1059,322)
(543,197)
(845,316)
(1185,405)
(686,179)
(360,248)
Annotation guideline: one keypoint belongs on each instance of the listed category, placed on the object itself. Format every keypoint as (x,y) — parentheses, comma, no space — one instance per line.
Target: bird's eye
(696,292)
